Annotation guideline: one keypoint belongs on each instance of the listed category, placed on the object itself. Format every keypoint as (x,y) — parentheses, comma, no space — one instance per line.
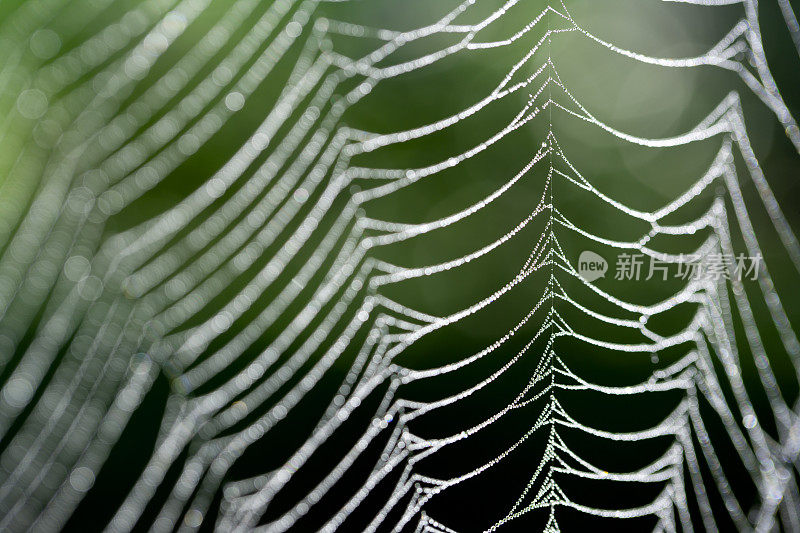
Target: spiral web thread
(88,321)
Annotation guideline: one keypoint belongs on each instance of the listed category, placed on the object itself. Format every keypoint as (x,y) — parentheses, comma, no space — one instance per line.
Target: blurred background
(186,119)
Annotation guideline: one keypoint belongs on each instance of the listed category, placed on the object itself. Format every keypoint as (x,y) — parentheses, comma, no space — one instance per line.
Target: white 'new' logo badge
(591,266)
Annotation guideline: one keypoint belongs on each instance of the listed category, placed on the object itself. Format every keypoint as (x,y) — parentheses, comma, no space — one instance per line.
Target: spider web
(283,294)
